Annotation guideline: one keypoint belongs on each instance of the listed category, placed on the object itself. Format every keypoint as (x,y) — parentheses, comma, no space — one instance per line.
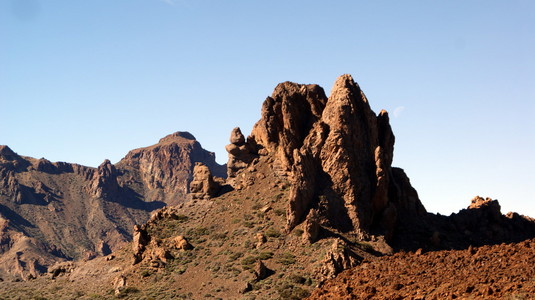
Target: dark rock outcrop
(337,155)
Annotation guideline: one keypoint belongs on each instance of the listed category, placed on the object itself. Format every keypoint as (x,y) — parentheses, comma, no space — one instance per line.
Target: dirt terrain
(489,272)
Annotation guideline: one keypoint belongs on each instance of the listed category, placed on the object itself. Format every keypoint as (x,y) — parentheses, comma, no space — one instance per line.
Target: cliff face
(51,212)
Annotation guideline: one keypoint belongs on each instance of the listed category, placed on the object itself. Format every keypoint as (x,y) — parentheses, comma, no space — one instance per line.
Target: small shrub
(298,279)
(234,256)
(181,218)
(219,236)
(248,261)
(279,212)
(298,232)
(128,290)
(271,232)
(365,246)
(287,259)
(265,255)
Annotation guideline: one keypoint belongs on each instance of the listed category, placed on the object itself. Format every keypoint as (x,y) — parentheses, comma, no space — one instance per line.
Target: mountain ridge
(62,211)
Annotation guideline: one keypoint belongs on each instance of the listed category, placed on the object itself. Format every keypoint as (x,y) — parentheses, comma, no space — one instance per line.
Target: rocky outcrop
(203,185)
(337,154)
(311,227)
(337,259)
(240,153)
(287,118)
(105,181)
(139,243)
(260,271)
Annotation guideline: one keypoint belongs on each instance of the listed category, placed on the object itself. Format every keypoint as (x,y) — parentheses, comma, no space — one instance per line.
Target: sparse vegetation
(287,259)
(279,212)
(273,233)
(298,232)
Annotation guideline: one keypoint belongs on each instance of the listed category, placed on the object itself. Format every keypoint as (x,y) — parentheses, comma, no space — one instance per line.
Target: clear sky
(82,81)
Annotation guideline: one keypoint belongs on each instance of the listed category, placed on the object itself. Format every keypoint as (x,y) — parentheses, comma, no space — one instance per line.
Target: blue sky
(82,81)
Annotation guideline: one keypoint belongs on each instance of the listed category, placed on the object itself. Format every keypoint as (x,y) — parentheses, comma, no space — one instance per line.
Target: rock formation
(203,185)
(337,154)
(241,153)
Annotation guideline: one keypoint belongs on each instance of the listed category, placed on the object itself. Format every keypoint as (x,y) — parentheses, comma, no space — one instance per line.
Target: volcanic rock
(311,227)
(337,154)
(240,153)
(203,184)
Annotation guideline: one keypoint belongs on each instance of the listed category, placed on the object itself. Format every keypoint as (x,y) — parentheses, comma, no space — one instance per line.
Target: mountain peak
(177,136)
(8,154)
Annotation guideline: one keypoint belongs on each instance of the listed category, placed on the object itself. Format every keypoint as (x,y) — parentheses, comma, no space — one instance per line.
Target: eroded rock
(203,185)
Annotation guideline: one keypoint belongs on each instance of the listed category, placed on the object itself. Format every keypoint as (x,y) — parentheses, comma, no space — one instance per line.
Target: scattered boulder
(181,243)
(247,287)
(159,253)
(61,268)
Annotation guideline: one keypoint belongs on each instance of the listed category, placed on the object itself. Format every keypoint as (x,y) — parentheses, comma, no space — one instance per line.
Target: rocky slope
(310,193)
(52,212)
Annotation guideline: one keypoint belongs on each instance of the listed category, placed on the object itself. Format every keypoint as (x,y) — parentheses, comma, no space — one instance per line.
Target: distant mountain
(52,212)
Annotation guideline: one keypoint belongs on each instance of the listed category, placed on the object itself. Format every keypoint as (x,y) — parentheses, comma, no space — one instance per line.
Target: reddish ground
(504,271)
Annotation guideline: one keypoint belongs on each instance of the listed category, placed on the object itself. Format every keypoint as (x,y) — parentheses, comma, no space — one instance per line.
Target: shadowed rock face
(337,154)
(50,212)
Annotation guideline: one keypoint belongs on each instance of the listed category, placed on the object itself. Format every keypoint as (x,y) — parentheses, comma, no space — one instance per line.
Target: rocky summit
(311,192)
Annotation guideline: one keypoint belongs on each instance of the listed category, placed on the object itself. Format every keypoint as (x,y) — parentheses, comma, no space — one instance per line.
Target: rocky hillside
(311,192)
(52,212)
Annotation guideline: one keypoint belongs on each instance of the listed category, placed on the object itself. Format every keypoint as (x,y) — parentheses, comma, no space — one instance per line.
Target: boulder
(181,243)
